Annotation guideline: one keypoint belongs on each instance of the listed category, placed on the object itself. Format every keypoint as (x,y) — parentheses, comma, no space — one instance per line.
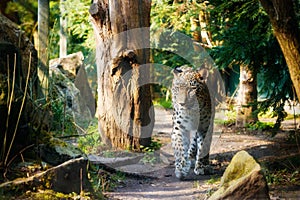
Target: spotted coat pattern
(191,119)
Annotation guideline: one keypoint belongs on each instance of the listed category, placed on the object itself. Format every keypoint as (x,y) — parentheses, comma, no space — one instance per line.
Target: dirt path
(159,182)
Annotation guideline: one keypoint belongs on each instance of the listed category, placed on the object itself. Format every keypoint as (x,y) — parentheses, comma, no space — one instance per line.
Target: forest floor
(155,178)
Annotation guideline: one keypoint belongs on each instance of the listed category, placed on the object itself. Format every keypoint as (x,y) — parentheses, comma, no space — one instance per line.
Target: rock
(116,161)
(81,82)
(70,176)
(15,53)
(10,33)
(57,151)
(242,179)
(70,80)
(69,64)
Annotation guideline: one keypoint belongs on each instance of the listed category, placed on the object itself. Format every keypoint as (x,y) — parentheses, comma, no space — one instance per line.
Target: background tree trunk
(43,59)
(247,94)
(62,30)
(124,109)
(286,29)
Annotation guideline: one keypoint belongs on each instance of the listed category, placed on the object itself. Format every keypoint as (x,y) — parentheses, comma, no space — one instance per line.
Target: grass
(103,181)
(213,179)
(150,157)
(283,177)
(163,103)
(260,126)
(283,171)
(91,141)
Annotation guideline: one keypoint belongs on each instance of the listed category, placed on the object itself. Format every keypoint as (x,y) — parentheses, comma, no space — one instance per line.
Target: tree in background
(79,30)
(245,37)
(63,37)
(238,35)
(176,18)
(42,44)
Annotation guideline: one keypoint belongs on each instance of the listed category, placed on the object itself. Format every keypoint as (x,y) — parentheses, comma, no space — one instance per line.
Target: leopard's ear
(203,72)
(177,70)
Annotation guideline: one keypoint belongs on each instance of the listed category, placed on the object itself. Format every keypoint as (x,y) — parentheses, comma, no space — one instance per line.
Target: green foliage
(57,108)
(80,31)
(63,123)
(230,118)
(91,141)
(245,33)
(150,154)
(154,146)
(282,177)
(213,179)
(261,126)
(103,181)
(163,103)
(283,171)
(175,15)
(27,14)
(171,47)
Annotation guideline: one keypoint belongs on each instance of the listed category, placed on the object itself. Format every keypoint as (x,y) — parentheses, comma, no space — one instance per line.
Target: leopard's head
(187,84)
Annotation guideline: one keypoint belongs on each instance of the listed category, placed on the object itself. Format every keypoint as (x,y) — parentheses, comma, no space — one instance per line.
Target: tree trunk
(43,32)
(205,34)
(124,109)
(247,96)
(62,30)
(199,30)
(286,29)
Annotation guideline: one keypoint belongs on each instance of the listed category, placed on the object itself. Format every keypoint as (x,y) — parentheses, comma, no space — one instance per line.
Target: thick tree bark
(247,96)
(286,29)
(124,109)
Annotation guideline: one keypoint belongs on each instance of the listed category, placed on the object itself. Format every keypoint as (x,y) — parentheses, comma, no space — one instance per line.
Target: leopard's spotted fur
(191,119)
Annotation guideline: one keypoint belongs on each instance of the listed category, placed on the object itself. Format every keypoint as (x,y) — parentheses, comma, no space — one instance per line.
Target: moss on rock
(242,179)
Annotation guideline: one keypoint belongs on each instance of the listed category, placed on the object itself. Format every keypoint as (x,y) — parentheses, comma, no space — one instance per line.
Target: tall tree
(124,101)
(245,38)
(247,96)
(62,30)
(286,29)
(43,33)
(237,35)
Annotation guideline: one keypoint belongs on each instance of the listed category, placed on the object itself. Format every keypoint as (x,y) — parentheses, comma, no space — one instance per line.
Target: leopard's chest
(187,119)
(191,119)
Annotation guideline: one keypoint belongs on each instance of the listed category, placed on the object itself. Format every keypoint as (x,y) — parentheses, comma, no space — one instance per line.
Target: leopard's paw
(199,171)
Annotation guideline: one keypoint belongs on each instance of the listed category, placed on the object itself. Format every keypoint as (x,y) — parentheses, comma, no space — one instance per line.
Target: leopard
(192,115)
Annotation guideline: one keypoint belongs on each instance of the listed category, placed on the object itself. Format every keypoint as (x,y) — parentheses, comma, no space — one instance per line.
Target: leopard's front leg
(199,166)
(180,147)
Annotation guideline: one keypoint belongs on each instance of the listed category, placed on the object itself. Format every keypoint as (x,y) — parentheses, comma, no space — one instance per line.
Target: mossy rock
(57,151)
(242,179)
(65,181)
